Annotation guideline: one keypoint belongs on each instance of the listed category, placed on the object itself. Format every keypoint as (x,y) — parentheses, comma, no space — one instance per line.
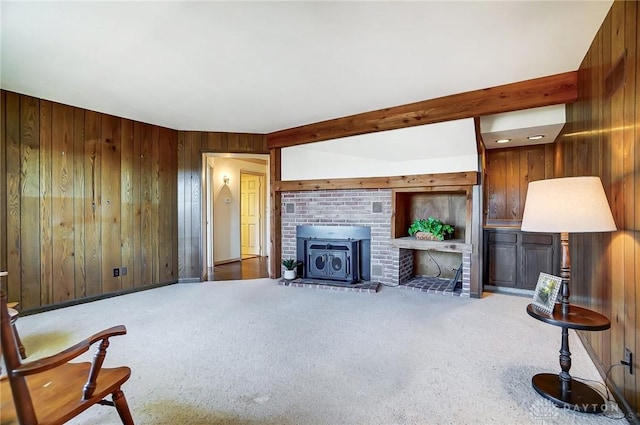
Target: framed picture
(544,298)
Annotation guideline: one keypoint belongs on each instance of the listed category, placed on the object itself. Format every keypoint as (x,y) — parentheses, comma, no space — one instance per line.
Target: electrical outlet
(628,360)
(123,271)
(116,272)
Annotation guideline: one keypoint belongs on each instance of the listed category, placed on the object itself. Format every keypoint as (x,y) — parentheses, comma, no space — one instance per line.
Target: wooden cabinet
(502,258)
(515,259)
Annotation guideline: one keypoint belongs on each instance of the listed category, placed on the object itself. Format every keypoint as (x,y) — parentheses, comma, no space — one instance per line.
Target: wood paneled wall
(83,193)
(508,173)
(191,146)
(602,138)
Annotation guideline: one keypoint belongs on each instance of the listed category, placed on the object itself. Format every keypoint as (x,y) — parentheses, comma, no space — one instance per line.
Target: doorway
(235,216)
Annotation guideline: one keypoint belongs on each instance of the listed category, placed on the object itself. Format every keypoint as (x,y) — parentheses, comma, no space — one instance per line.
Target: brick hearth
(370,286)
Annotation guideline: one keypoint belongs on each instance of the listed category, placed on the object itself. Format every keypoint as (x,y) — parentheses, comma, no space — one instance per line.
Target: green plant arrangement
(290,263)
(430,226)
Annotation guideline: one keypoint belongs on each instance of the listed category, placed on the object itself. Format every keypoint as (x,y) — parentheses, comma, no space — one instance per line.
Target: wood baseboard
(230,260)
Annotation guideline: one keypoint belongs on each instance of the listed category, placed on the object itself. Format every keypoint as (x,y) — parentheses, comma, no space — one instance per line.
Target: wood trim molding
(468,178)
(275,225)
(544,91)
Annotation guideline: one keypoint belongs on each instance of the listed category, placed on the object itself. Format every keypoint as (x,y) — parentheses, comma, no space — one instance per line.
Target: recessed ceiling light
(503,140)
(536,137)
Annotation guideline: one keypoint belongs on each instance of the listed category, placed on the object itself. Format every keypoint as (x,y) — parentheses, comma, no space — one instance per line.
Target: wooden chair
(52,390)
(13,315)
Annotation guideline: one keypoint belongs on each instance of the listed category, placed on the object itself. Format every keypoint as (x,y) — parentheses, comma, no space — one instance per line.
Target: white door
(250,214)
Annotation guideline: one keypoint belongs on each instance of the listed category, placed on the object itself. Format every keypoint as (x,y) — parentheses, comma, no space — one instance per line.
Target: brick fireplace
(390,265)
(344,208)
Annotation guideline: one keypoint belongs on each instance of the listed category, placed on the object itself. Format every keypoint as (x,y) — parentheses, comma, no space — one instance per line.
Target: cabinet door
(537,254)
(502,258)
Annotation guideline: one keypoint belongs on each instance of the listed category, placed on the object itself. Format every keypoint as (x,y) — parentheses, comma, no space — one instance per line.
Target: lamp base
(580,398)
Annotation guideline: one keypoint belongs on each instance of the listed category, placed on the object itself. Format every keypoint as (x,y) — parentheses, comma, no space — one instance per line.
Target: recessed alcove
(451,206)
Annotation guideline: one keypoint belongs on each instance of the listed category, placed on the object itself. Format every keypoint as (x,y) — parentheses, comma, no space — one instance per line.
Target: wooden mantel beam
(443,180)
(552,90)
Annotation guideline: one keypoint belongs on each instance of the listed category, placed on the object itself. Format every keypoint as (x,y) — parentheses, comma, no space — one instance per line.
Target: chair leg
(23,353)
(122,407)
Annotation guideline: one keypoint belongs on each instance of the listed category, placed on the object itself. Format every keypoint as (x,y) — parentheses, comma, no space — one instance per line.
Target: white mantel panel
(435,148)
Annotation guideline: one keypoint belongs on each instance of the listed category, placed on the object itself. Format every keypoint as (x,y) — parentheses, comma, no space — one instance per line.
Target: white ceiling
(265,66)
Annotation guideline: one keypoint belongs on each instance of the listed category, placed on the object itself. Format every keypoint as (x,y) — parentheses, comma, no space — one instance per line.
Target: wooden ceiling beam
(545,91)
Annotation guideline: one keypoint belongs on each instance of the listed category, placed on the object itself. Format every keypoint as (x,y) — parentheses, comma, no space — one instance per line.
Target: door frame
(206,193)
(208,218)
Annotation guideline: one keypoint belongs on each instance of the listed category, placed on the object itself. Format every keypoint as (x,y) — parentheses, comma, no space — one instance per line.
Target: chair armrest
(70,353)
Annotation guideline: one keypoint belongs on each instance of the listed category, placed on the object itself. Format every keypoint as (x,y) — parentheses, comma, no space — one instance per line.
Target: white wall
(226,205)
(435,148)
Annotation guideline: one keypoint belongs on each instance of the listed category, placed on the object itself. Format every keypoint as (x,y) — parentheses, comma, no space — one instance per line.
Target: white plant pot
(289,274)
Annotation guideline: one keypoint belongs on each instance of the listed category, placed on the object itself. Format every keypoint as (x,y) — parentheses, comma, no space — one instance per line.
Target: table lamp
(567,205)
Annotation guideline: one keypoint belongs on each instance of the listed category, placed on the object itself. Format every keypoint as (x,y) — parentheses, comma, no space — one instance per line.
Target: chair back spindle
(22,397)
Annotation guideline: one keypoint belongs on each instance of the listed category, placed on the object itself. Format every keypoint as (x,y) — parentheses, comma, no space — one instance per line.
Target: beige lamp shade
(569,204)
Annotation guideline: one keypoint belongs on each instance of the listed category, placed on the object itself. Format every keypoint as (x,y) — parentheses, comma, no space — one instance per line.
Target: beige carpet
(254,352)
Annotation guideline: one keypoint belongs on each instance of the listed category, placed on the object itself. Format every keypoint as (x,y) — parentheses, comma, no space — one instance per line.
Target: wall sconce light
(225,179)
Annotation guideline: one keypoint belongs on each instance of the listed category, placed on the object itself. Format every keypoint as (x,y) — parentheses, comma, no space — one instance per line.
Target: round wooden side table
(562,389)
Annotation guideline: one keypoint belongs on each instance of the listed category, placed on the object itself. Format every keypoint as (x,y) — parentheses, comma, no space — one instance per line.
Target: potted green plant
(430,229)
(290,265)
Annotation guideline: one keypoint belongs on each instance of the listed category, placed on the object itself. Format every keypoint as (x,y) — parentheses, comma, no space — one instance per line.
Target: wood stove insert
(333,259)
(334,253)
